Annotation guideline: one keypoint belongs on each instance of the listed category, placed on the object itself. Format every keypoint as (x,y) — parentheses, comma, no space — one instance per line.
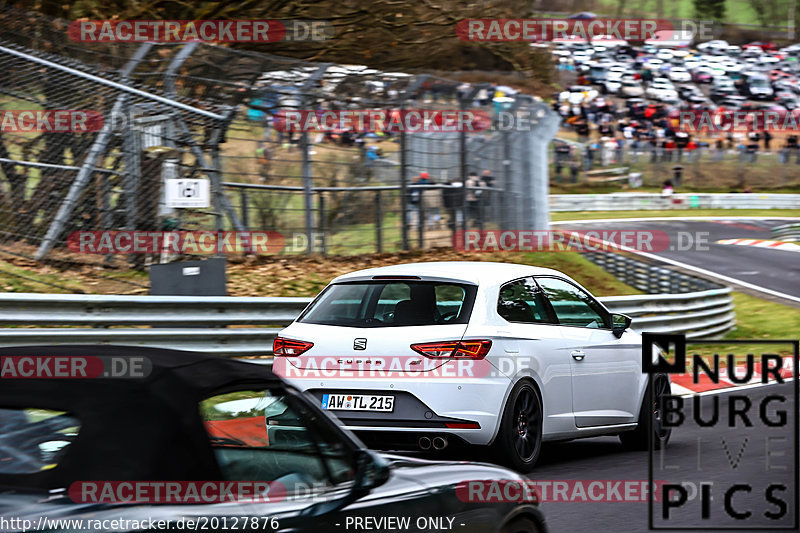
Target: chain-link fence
(197,111)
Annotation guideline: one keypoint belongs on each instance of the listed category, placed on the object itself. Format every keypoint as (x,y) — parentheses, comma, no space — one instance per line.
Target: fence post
(506,198)
(321,222)
(538,186)
(378,223)
(421,220)
(216,187)
(244,207)
(403,185)
(307,192)
(133,169)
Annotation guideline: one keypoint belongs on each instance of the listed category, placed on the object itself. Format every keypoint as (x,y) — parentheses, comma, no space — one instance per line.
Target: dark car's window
(523,301)
(32,440)
(392,303)
(269,436)
(572,306)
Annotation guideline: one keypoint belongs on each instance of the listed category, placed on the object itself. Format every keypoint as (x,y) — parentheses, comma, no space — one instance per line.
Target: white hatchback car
(490,354)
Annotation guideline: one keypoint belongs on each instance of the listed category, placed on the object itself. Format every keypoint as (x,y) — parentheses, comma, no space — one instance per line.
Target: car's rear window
(374,304)
(32,440)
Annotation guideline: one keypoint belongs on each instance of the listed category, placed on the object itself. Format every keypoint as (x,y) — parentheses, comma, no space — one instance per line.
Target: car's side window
(267,435)
(573,306)
(522,301)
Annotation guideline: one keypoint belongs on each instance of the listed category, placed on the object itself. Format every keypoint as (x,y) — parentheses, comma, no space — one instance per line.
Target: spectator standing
(415,198)
(582,129)
(474,198)
(432,206)
(488,179)
(574,170)
(561,158)
(451,198)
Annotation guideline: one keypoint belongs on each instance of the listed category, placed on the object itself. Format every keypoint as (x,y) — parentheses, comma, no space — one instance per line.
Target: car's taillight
(469,349)
(289,348)
(462,425)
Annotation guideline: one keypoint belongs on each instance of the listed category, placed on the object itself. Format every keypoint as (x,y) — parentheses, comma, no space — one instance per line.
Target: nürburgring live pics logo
(739,455)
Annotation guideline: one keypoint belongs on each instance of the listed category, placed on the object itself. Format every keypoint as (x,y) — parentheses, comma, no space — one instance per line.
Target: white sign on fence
(183,192)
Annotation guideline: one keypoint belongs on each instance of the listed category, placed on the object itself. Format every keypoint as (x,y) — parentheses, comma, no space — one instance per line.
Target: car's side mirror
(619,323)
(372,471)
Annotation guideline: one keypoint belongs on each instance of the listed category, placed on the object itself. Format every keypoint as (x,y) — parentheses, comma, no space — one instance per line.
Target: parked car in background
(631,89)
(766,46)
(661,89)
(714,46)
(787,99)
(687,89)
(756,86)
(679,74)
(702,75)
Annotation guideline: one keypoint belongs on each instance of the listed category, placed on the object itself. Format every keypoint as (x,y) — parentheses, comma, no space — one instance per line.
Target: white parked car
(485,354)
(582,56)
(631,89)
(664,54)
(679,74)
(713,46)
(611,86)
(661,89)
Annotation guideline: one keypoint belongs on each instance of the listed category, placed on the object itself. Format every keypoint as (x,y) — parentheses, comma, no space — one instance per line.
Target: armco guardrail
(231,342)
(699,315)
(635,201)
(649,277)
(676,302)
(193,323)
(787,232)
(115,310)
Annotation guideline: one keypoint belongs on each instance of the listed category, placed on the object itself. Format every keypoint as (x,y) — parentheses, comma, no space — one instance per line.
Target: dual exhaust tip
(438,443)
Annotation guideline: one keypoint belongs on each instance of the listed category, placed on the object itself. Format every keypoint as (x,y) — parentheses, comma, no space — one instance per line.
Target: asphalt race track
(776,270)
(605,459)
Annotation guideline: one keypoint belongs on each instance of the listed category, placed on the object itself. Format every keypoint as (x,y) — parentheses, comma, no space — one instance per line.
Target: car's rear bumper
(408,411)
(429,406)
(406,440)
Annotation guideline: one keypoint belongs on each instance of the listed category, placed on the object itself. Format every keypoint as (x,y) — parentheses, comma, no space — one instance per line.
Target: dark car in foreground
(104,448)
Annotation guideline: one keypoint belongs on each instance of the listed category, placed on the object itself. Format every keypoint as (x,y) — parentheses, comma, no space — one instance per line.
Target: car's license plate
(357,402)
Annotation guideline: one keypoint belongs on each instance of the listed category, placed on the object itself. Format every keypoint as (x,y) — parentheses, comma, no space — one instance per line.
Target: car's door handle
(578,355)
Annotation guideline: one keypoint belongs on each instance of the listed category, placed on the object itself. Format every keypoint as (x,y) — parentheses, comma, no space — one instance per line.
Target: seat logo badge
(360,344)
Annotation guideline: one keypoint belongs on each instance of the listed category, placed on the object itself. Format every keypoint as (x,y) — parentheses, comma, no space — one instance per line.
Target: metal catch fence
(208,115)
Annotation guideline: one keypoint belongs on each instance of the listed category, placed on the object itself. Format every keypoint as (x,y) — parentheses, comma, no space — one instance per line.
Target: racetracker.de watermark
(177,492)
(570,30)
(387,120)
(73,367)
(213,31)
(578,241)
(398,366)
(176,242)
(556,490)
(729,121)
(50,120)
